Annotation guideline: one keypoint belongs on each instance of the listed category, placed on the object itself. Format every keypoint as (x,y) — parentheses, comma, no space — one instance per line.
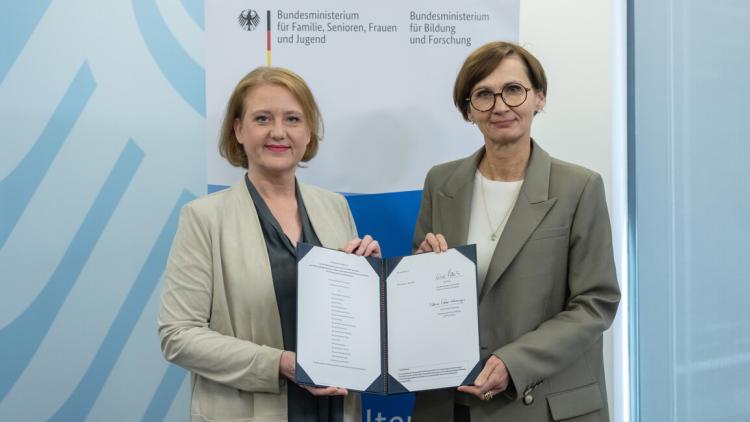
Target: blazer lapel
(454,201)
(532,205)
(328,234)
(255,262)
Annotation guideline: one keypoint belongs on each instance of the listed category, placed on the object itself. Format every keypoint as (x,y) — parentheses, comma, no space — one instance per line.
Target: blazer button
(528,399)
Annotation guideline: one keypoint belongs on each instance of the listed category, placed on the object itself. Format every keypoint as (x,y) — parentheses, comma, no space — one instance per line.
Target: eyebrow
(265,111)
(490,87)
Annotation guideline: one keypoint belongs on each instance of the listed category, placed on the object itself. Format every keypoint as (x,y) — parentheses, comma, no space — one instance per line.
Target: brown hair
(229,146)
(484,60)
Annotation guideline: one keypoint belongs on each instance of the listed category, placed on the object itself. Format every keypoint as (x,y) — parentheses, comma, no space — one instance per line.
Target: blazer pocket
(546,233)
(576,402)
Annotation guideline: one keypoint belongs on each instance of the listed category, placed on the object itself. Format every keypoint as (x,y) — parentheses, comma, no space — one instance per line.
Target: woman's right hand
(432,243)
(287,368)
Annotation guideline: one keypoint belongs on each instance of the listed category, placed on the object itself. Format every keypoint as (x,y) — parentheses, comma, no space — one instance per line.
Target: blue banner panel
(387,217)
(393,408)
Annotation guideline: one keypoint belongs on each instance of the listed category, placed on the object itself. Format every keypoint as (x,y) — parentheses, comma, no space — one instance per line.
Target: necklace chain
(493,235)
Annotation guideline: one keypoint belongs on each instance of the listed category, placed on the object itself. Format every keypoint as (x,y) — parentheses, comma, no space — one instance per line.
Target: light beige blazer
(550,291)
(219,318)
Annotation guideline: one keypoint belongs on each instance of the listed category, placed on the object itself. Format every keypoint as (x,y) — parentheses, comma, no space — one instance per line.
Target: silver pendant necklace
(494,235)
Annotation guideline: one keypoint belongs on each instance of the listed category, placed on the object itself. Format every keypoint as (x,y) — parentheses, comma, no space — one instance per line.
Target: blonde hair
(229,146)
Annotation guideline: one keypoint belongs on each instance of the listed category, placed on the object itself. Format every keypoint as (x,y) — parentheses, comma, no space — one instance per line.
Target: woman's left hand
(367,246)
(492,381)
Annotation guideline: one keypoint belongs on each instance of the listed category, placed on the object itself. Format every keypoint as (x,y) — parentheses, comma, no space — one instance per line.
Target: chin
(278,168)
(504,140)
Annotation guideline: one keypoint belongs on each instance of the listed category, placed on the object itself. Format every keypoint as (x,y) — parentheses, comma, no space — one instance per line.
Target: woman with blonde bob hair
(228,310)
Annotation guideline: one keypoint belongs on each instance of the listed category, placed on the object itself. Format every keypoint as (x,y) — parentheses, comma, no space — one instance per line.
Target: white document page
(433,328)
(338,321)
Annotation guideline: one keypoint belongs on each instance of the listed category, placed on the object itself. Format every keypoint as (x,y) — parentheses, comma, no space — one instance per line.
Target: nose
(500,106)
(277,130)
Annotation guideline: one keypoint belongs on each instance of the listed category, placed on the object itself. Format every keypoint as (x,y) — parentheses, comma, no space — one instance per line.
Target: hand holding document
(387,325)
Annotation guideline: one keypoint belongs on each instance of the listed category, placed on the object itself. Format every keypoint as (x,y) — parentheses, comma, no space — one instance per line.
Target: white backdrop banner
(382,74)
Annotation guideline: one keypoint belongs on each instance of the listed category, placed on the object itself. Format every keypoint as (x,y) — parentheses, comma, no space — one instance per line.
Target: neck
(272,186)
(506,162)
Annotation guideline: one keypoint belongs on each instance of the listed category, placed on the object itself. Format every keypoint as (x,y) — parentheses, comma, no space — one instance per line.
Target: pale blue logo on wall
(91,183)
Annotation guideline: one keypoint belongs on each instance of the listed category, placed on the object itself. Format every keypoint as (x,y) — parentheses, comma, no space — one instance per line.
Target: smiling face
(273,130)
(501,124)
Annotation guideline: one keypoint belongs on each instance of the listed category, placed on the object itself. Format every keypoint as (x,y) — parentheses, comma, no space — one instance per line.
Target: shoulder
(317,196)
(570,173)
(439,174)
(320,193)
(445,169)
(211,207)
(572,180)
(330,215)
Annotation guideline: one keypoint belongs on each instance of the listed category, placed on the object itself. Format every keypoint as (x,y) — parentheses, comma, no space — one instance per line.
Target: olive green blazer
(219,318)
(550,291)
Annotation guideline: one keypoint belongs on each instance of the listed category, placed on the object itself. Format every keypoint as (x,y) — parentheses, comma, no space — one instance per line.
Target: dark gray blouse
(302,406)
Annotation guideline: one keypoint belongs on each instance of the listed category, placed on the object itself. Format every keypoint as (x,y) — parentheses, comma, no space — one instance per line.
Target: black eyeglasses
(513,95)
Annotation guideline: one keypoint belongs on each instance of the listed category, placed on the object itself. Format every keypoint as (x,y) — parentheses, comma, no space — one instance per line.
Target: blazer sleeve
(185,312)
(592,302)
(424,218)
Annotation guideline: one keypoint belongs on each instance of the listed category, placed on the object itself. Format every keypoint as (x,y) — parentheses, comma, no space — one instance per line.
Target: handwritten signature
(447,275)
(446,302)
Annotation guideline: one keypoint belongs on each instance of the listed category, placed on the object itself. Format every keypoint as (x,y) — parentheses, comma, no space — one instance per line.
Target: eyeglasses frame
(495,94)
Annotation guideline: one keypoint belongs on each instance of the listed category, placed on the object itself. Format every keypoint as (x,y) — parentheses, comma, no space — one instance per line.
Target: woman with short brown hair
(548,288)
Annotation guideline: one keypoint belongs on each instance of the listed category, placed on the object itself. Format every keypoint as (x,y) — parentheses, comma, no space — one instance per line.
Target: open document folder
(387,325)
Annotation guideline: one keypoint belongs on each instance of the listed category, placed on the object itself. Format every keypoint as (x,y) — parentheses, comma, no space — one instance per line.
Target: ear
(238,129)
(470,116)
(540,101)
